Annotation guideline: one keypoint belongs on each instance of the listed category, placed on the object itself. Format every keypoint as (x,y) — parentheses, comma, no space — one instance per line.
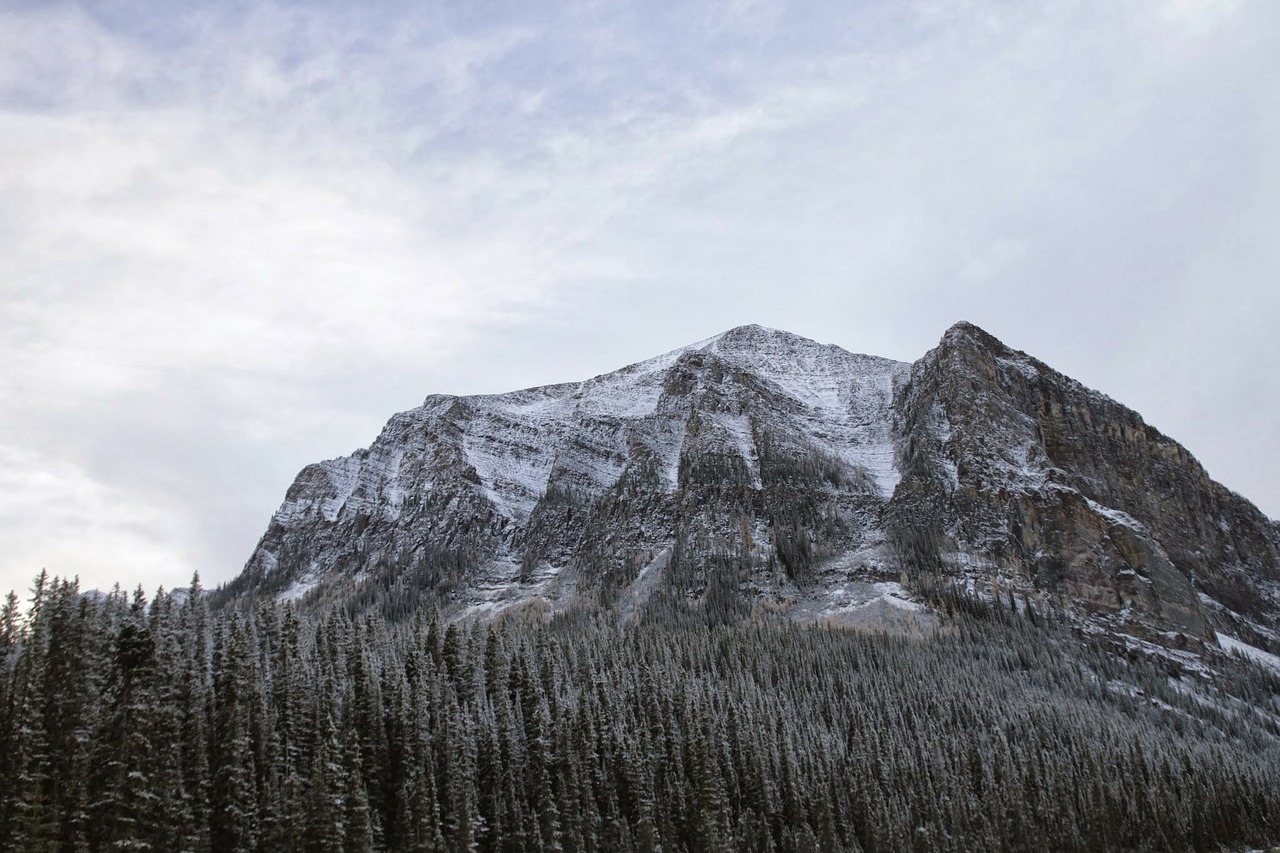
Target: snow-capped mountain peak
(793,471)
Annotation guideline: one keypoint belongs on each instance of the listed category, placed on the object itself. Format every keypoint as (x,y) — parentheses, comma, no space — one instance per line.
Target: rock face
(1019,476)
(759,469)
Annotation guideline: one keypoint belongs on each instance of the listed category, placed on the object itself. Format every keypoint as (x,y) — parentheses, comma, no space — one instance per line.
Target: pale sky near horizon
(236,237)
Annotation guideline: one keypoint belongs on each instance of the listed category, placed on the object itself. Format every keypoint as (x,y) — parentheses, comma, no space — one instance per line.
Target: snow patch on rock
(1231,645)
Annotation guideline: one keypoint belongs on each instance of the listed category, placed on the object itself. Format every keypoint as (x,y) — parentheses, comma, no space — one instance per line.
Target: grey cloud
(243,239)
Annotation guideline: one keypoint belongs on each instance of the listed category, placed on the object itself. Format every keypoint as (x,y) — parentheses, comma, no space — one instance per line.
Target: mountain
(758,471)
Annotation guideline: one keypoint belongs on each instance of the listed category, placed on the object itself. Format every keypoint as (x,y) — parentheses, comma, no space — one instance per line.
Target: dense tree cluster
(127,724)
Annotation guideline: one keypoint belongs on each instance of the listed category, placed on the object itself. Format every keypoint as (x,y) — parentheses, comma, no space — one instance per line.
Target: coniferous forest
(163,724)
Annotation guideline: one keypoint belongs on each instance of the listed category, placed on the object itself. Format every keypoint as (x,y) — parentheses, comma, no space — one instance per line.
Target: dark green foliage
(802,487)
(553,527)
(398,587)
(805,467)
(125,725)
(721,471)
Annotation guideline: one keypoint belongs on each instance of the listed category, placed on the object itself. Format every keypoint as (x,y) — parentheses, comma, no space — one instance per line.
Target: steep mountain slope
(754,446)
(1017,475)
(761,469)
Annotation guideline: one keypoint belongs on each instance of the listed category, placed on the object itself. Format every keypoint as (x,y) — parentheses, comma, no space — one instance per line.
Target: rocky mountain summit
(758,471)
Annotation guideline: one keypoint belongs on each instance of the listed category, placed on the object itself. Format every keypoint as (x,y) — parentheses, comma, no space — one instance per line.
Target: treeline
(135,725)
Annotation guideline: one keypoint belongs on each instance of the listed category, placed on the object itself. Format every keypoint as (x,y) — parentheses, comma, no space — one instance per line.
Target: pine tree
(234,791)
(326,821)
(359,835)
(194,695)
(29,816)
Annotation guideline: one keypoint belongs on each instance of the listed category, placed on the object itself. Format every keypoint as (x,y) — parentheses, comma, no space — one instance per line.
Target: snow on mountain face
(514,442)
(844,398)
(785,471)
(848,398)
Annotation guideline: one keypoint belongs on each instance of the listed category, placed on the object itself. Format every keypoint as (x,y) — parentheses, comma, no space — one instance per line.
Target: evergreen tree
(165,726)
(234,795)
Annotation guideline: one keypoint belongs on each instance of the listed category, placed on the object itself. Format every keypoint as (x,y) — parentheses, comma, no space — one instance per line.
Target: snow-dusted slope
(847,399)
(582,432)
(761,467)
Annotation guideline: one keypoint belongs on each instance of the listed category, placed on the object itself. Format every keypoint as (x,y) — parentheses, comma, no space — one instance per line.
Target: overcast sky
(236,238)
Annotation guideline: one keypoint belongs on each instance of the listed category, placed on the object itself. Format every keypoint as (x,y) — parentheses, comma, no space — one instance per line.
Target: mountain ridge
(789,473)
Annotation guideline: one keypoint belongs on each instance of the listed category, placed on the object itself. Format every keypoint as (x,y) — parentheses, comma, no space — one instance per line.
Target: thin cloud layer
(234,239)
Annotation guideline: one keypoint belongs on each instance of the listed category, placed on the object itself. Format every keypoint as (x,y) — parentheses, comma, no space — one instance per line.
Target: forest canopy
(128,723)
